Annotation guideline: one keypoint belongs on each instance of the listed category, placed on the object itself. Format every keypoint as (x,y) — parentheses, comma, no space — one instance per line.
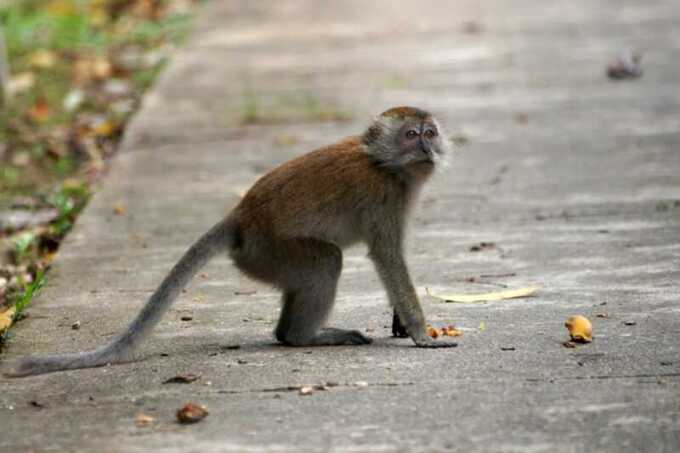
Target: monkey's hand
(427,342)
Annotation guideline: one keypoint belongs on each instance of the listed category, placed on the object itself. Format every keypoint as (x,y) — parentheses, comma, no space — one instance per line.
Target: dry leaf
(119,208)
(40,110)
(20,82)
(451,331)
(448,331)
(42,58)
(485,297)
(143,420)
(105,128)
(101,68)
(580,329)
(191,413)
(6,318)
(60,8)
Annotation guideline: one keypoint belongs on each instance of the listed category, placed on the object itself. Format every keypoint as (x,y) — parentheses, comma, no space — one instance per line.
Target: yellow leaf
(6,318)
(42,58)
(485,297)
(104,128)
(21,82)
(60,8)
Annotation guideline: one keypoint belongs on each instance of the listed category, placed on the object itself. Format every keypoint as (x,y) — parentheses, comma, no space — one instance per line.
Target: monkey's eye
(430,133)
(411,134)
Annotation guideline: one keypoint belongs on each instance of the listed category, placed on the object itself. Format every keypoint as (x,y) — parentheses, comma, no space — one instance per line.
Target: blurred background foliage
(74,73)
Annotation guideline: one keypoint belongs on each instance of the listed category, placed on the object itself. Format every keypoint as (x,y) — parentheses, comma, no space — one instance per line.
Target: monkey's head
(406,138)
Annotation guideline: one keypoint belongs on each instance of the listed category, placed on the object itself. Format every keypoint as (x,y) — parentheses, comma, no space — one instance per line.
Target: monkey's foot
(330,336)
(432,344)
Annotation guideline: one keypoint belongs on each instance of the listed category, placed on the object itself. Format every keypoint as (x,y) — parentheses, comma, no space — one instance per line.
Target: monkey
(289,230)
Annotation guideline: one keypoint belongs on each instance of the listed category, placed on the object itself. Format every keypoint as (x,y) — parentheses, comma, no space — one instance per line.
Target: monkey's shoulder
(327,172)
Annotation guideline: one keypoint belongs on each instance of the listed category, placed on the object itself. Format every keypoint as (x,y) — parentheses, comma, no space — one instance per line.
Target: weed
(68,201)
(22,245)
(29,291)
(23,298)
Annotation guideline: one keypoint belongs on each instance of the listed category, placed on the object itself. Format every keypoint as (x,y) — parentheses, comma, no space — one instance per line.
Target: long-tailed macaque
(289,231)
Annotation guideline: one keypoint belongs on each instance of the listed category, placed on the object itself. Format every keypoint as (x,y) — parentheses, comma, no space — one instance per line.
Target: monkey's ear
(372,134)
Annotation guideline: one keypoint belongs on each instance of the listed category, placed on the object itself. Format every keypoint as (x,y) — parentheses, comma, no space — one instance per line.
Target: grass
(61,122)
(71,47)
(23,299)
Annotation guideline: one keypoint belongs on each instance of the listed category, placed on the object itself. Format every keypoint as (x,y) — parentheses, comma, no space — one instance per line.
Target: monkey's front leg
(402,295)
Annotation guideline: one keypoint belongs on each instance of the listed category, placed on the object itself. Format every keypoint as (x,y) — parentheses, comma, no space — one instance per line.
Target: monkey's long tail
(121,349)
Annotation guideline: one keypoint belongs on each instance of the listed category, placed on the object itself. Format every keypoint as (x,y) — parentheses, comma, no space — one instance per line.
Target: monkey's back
(318,195)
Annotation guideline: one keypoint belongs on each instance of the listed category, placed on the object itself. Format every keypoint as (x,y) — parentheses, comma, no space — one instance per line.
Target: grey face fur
(401,143)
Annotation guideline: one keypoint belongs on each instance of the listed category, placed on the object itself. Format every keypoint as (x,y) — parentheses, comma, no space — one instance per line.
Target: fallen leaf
(448,331)
(143,420)
(191,413)
(101,68)
(42,58)
(626,66)
(482,246)
(36,404)
(182,379)
(73,100)
(119,208)
(482,326)
(580,329)
(6,318)
(104,128)
(21,82)
(451,331)
(40,111)
(485,297)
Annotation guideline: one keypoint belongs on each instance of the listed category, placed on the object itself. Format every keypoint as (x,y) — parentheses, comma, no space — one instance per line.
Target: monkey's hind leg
(309,298)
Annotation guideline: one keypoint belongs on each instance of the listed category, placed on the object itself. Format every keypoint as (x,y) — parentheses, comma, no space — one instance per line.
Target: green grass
(30,290)
(71,31)
(23,300)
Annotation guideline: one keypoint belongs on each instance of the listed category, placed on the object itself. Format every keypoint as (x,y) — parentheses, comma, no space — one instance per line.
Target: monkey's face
(406,138)
(419,143)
